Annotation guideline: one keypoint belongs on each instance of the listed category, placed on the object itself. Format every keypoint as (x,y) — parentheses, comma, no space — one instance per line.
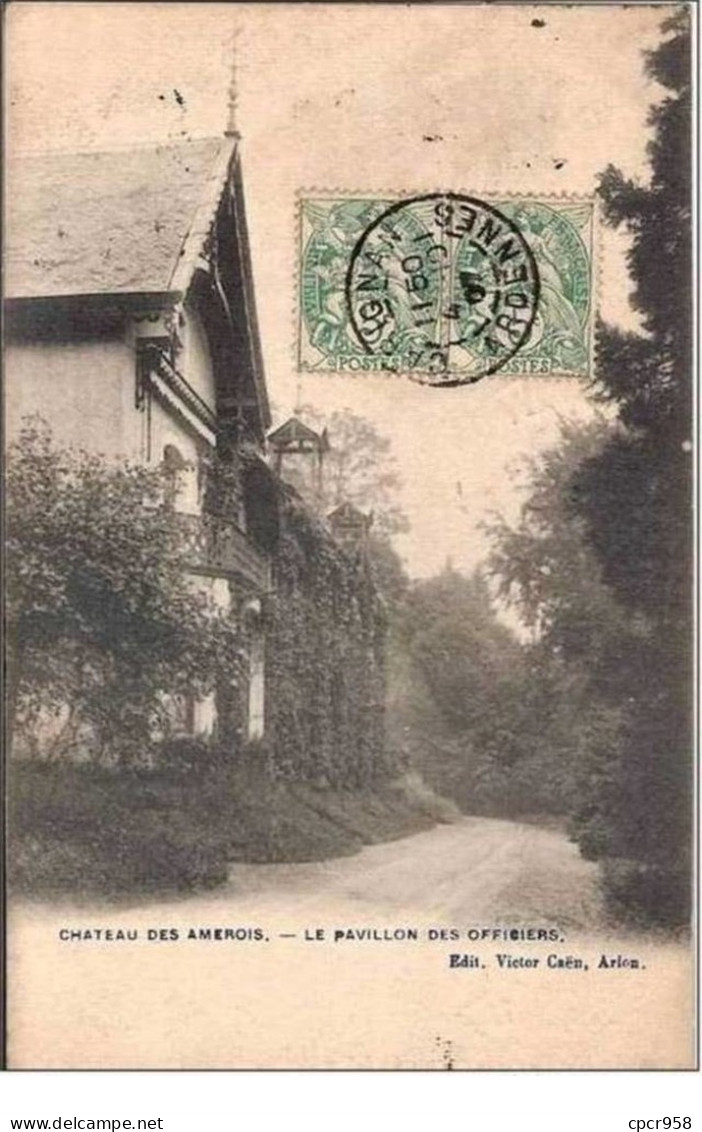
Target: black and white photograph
(349,465)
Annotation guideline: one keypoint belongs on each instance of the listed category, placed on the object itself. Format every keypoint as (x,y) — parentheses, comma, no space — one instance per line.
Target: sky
(342,97)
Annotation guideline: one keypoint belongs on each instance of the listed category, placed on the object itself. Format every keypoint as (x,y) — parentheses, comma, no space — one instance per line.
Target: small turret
(293,440)
(350,526)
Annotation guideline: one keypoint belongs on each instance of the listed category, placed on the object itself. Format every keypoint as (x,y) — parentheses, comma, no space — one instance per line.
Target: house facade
(131,329)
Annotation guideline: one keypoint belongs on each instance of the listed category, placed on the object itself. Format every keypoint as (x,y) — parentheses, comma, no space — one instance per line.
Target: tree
(547,568)
(471,702)
(101,615)
(458,647)
(601,561)
(635,496)
(585,652)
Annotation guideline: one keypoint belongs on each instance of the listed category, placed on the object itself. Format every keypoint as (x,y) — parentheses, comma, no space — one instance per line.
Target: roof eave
(127,301)
(194,241)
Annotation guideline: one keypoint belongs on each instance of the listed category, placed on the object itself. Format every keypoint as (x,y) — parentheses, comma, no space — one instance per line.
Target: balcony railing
(218,545)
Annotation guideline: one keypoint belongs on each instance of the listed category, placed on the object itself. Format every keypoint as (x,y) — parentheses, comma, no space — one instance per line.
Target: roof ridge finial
(231,130)
(297,411)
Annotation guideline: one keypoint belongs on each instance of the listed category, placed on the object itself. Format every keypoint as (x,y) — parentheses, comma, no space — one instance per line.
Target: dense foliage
(325,656)
(104,625)
(96,829)
(600,563)
(635,498)
(325,636)
(473,708)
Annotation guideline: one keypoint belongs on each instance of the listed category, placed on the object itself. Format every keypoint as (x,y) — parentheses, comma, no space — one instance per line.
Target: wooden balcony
(217,546)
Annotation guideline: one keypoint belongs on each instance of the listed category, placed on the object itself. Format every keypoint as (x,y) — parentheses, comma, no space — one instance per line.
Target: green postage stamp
(446,288)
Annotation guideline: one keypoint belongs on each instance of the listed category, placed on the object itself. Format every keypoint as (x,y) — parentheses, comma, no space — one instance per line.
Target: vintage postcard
(349,556)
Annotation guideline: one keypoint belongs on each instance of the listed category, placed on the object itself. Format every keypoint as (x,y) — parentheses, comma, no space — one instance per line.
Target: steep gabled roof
(347,515)
(130,221)
(294,431)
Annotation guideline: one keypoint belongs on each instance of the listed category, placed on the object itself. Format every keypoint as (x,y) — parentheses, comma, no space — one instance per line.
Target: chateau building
(131,329)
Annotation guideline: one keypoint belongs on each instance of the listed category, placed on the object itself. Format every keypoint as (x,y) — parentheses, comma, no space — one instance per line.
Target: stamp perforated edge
(326,193)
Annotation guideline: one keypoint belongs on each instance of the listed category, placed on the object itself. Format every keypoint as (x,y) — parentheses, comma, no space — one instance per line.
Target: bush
(87,829)
(537,786)
(647,893)
(188,754)
(103,621)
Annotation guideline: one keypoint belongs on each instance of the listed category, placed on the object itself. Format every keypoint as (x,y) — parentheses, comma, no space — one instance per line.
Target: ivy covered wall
(325,671)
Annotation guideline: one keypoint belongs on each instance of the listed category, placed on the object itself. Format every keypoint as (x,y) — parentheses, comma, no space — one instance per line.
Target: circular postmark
(443,287)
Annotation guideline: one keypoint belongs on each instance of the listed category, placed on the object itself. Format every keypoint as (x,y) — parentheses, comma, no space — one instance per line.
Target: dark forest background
(592,719)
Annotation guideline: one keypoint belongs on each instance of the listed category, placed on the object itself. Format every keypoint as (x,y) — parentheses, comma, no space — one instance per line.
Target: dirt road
(476,869)
(334,964)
